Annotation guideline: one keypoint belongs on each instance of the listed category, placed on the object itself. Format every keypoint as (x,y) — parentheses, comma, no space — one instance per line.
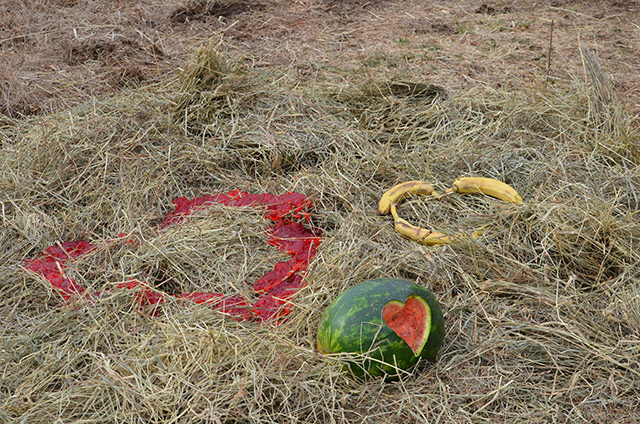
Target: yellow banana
(488,186)
(400,191)
(393,196)
(418,234)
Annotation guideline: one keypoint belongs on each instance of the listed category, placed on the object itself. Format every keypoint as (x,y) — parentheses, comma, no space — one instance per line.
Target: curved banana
(488,186)
(418,234)
(400,191)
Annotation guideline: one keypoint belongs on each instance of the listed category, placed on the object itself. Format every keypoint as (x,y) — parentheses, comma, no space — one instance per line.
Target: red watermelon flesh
(410,320)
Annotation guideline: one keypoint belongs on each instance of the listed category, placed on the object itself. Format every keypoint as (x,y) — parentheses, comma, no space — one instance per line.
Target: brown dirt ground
(58,53)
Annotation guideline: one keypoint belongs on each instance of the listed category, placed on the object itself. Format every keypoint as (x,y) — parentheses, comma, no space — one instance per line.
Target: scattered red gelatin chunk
(274,288)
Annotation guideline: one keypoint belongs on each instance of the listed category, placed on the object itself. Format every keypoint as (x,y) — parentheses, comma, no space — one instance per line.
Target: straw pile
(542,312)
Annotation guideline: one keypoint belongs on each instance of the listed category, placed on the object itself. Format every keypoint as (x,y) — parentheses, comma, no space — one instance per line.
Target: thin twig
(549,53)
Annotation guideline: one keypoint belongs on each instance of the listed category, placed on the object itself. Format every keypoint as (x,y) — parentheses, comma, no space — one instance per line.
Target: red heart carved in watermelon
(410,320)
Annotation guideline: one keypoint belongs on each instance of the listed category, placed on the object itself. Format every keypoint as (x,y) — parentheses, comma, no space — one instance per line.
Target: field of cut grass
(542,312)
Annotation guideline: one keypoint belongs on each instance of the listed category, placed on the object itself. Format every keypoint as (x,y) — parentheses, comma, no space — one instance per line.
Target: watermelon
(388,324)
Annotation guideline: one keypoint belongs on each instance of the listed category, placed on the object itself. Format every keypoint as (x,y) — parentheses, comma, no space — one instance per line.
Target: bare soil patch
(62,53)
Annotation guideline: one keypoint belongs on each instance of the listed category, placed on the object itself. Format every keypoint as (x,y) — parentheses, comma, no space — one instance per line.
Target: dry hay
(542,312)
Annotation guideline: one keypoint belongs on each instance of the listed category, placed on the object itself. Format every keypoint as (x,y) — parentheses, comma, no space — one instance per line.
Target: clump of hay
(542,311)
(213,89)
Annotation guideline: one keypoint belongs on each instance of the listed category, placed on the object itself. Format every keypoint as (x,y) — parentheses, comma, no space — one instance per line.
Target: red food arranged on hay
(273,289)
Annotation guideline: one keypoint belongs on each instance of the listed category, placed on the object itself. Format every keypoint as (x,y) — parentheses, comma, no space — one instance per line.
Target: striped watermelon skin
(353,324)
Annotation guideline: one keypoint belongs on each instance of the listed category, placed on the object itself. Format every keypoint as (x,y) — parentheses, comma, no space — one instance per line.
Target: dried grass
(542,312)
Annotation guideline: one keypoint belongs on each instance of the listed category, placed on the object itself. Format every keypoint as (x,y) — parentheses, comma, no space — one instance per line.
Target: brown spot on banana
(417,234)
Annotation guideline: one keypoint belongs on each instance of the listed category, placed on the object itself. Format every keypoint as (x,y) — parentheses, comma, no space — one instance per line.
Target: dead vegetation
(58,54)
(542,312)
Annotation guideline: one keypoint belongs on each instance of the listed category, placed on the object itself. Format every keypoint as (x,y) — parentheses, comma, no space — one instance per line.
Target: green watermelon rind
(353,324)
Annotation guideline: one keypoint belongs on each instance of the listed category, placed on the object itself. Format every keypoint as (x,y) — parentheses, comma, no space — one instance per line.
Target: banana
(418,234)
(400,191)
(488,186)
